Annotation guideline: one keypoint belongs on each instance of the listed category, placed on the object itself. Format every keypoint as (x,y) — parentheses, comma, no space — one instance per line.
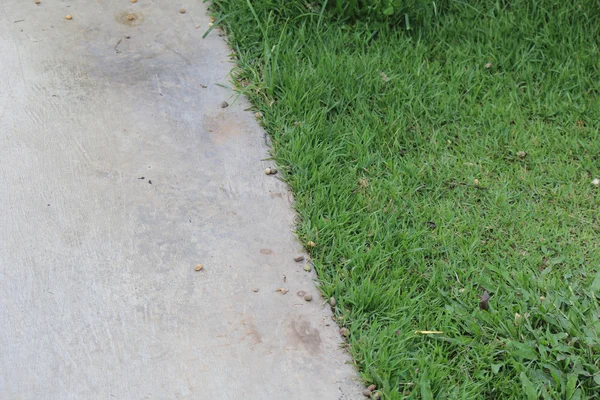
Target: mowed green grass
(402,149)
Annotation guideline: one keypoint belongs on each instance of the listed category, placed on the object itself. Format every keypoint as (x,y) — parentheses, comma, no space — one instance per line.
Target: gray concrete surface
(98,294)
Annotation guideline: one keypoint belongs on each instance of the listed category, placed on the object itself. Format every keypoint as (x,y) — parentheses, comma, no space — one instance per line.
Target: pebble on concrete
(344,332)
(372,387)
(224,104)
(332,301)
(69,17)
(307,268)
(199,267)
(308,297)
(299,258)
(182,10)
(367,393)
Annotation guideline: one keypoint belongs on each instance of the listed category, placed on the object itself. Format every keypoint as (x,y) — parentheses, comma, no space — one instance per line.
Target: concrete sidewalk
(119,172)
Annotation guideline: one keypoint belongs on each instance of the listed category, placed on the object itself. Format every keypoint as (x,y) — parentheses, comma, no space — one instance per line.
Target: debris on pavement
(307,268)
(130,17)
(182,11)
(255,290)
(282,290)
(308,297)
(224,104)
(332,301)
(372,387)
(270,171)
(69,17)
(367,393)
(299,258)
(199,267)
(344,332)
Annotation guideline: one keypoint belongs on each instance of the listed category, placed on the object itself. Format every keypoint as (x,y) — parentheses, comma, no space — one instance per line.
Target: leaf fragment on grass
(429,332)
(484,302)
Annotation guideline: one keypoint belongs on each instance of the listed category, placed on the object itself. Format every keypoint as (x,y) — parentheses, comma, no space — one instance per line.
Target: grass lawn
(431,164)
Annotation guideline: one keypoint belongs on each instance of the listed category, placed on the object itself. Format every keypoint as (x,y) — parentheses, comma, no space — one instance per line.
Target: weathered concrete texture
(119,172)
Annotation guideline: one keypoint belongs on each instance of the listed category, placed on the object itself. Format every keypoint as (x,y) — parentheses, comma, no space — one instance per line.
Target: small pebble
(307,268)
(255,290)
(199,267)
(258,114)
(37,1)
(273,170)
(596,182)
(299,258)
(134,1)
(521,154)
(267,171)
(372,387)
(127,37)
(69,17)
(130,18)
(344,332)
(224,104)
(182,10)
(332,302)
(308,297)
(311,244)
(367,393)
